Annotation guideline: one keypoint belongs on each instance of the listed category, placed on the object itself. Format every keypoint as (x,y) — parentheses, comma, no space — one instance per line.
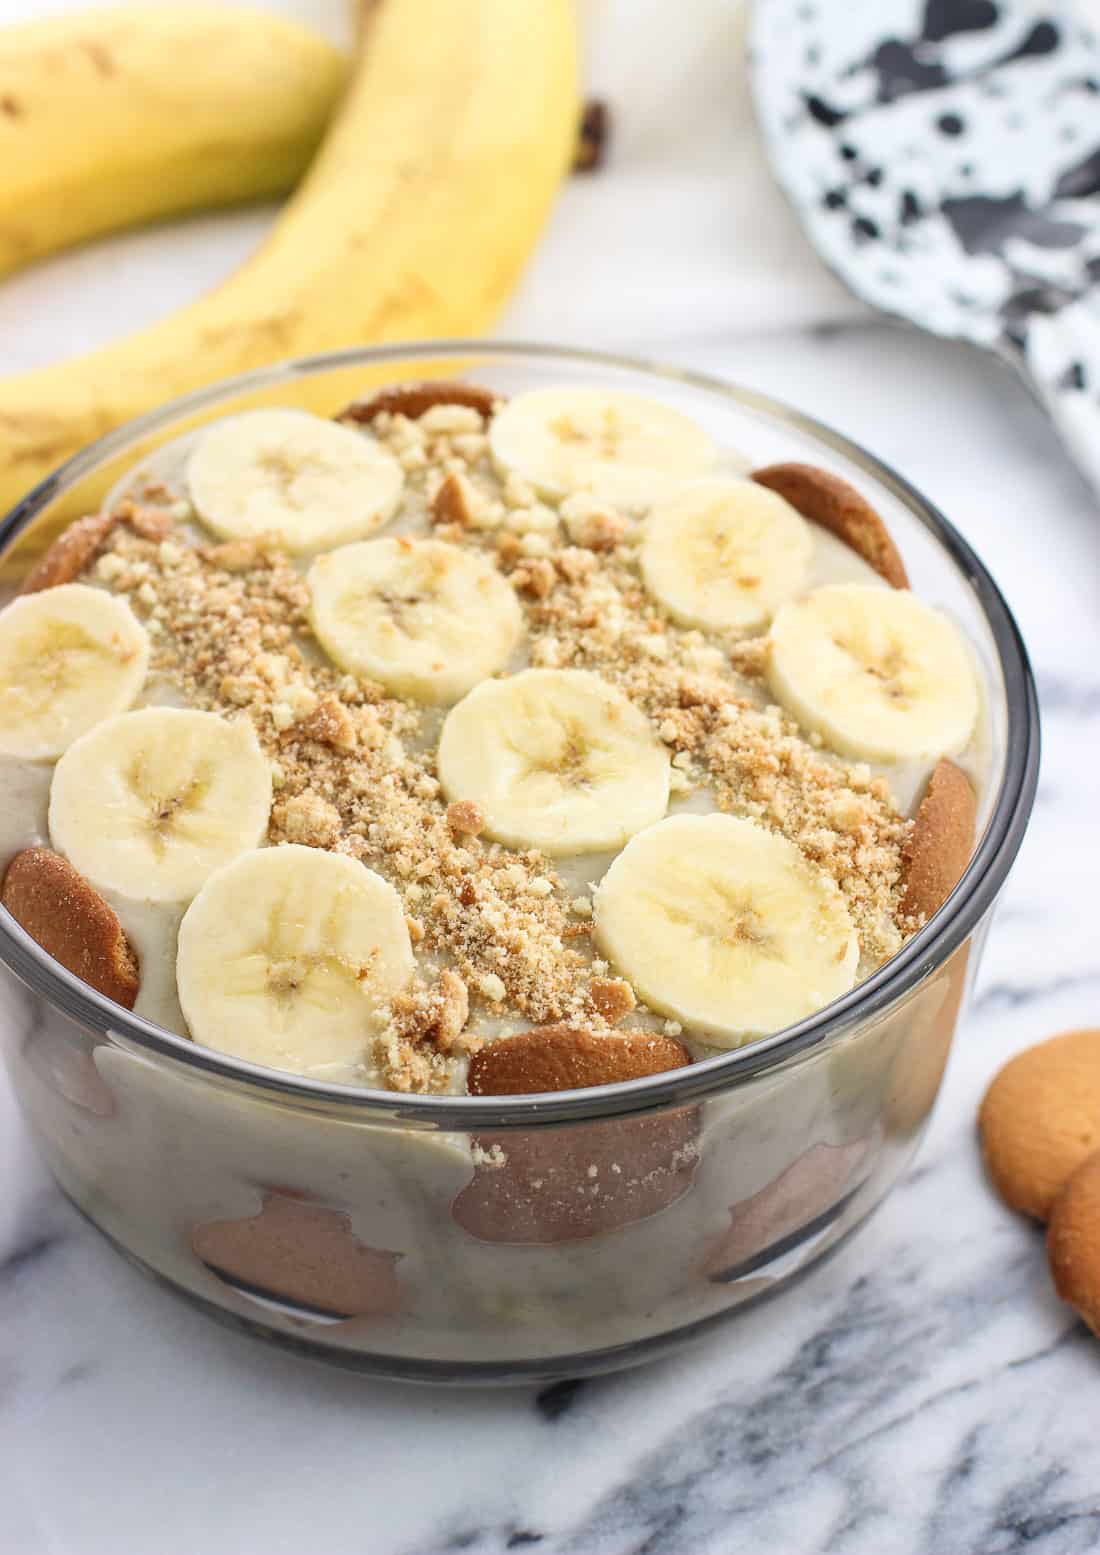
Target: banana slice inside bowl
(724,926)
(427,619)
(308,482)
(725,553)
(150,803)
(879,674)
(555,759)
(287,957)
(69,656)
(621,448)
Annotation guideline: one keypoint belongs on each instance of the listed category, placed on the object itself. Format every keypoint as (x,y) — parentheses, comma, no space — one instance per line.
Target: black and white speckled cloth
(944,156)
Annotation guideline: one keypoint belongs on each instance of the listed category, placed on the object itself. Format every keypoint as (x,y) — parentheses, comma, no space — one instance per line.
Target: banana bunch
(414,220)
(118,117)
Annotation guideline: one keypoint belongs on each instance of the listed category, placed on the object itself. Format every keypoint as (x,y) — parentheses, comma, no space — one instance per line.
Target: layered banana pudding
(470,745)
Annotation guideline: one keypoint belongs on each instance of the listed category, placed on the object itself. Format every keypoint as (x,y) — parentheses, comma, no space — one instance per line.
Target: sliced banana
(287,957)
(620,447)
(555,759)
(725,553)
(876,672)
(150,803)
(427,619)
(309,482)
(69,656)
(725,926)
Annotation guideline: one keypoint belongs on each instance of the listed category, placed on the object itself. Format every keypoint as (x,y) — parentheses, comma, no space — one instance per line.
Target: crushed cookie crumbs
(612,998)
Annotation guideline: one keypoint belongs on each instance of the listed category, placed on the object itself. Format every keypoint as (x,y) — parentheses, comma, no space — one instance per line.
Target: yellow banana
(415,220)
(111,118)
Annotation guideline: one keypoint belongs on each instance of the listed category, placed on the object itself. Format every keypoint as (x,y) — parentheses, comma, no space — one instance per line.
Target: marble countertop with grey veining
(923,1393)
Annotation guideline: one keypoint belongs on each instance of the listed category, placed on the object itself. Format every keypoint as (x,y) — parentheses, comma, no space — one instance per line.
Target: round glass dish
(523,1238)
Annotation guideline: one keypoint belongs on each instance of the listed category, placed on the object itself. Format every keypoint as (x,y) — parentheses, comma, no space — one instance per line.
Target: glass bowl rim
(918,958)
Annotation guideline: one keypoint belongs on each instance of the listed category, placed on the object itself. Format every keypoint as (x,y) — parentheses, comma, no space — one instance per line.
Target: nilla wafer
(413,399)
(70,920)
(1073,1240)
(70,553)
(566,1183)
(825,499)
(1040,1120)
(567,1058)
(301,1252)
(794,1201)
(940,845)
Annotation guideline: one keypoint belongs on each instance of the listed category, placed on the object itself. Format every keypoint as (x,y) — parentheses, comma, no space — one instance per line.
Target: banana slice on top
(555,759)
(287,957)
(876,672)
(725,553)
(69,656)
(622,448)
(725,926)
(309,482)
(150,803)
(427,619)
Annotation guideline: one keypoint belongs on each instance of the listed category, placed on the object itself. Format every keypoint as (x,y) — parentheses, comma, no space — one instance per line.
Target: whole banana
(414,220)
(116,117)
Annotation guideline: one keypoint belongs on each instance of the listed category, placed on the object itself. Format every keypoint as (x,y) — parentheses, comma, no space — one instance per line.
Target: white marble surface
(924,1393)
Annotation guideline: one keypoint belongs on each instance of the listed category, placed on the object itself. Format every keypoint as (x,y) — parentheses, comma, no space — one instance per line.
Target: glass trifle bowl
(513,1237)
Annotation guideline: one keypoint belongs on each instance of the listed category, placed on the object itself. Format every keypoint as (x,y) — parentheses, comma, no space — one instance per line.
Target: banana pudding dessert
(466,745)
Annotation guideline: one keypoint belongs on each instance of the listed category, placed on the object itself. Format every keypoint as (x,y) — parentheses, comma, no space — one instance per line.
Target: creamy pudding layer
(489,655)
